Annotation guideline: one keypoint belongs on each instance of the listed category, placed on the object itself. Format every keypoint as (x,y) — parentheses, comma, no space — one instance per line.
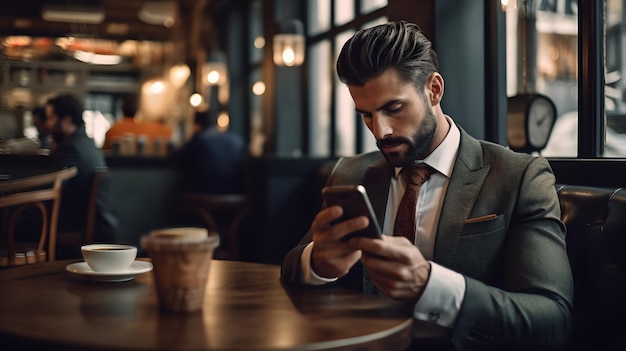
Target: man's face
(400,119)
(53,124)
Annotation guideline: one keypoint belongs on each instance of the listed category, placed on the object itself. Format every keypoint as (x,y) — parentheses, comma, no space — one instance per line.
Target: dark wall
(286,197)
(284,194)
(460,46)
(144,198)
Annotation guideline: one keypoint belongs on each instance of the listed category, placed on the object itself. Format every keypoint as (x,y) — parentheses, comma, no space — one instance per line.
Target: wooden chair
(73,240)
(18,195)
(217,212)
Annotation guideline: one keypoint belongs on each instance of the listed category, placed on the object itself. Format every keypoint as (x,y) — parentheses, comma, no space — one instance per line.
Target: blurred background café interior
(266,67)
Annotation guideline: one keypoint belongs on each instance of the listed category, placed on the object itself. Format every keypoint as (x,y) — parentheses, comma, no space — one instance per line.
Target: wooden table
(245,308)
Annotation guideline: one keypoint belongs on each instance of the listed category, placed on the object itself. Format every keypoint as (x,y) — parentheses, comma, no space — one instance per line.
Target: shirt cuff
(442,297)
(308,275)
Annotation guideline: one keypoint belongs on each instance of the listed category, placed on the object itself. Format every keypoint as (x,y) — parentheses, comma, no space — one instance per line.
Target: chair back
(70,241)
(223,214)
(18,195)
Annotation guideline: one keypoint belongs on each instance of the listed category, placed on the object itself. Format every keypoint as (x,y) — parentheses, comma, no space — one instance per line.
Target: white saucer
(82,268)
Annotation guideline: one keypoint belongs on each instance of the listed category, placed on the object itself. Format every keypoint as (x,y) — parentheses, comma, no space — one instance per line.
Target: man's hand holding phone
(348,213)
(354,201)
(332,257)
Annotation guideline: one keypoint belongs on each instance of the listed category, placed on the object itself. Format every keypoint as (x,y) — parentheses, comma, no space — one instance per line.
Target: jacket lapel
(467,177)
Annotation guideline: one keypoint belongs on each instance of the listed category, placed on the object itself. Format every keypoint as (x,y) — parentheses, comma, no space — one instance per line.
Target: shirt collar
(442,158)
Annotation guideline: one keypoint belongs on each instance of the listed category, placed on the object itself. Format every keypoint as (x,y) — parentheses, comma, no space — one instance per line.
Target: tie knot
(417,175)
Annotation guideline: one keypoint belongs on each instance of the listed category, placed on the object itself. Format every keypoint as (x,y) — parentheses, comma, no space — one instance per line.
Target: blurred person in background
(72,147)
(144,134)
(39,121)
(212,161)
(125,125)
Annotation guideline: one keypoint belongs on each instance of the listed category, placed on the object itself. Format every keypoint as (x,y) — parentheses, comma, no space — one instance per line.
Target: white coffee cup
(110,258)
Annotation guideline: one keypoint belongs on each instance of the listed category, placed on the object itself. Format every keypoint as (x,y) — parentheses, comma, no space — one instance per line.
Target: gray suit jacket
(519,288)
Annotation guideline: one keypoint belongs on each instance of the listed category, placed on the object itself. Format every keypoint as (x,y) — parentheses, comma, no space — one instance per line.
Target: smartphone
(355,202)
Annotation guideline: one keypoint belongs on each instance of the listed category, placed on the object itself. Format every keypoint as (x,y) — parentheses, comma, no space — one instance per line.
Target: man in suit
(488,268)
(72,147)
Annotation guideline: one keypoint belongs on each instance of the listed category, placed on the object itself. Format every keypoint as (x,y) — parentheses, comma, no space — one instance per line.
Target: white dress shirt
(442,297)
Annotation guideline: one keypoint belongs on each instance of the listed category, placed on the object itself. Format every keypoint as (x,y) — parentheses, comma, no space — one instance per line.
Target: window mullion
(591,126)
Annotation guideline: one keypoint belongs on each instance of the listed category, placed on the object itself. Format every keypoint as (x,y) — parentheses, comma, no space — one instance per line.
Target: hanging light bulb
(289,44)
(214,71)
(195,99)
(178,75)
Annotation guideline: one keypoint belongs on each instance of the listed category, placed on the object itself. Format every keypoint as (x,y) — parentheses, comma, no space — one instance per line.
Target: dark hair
(40,112)
(206,119)
(67,104)
(400,45)
(129,106)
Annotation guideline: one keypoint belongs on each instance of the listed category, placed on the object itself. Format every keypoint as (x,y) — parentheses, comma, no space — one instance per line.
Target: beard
(420,143)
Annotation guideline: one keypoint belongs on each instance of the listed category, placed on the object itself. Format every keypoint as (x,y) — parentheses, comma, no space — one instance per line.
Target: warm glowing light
(213,77)
(159,13)
(223,120)
(289,57)
(258,88)
(16,41)
(508,4)
(214,73)
(288,50)
(156,99)
(178,75)
(195,99)
(97,59)
(259,42)
(169,22)
(157,87)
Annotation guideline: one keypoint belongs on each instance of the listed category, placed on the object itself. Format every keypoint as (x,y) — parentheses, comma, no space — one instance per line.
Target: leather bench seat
(596,245)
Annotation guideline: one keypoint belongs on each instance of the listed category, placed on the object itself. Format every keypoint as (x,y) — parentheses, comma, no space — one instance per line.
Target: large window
(543,56)
(568,50)
(335,129)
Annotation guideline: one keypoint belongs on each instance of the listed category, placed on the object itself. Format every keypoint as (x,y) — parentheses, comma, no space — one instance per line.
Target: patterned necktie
(414,177)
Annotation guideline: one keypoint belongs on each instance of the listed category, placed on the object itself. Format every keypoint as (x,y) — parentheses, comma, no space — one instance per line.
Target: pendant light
(289,43)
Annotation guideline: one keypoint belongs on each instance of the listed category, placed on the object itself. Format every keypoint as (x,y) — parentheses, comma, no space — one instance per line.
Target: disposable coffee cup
(181,259)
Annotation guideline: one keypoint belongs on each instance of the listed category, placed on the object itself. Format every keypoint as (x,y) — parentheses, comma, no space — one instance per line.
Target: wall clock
(530,118)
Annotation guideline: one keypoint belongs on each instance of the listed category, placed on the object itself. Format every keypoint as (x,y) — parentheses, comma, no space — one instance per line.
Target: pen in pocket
(481,218)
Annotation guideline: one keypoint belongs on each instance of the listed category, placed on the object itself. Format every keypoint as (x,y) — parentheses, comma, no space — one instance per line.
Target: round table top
(245,308)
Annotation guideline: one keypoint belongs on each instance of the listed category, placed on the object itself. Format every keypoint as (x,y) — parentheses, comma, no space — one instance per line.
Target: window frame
(330,35)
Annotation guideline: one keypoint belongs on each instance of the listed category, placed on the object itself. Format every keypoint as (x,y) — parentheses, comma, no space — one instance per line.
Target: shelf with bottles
(42,76)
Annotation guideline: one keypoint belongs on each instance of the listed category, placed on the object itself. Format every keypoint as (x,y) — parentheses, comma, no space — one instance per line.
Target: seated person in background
(72,147)
(483,265)
(212,161)
(128,125)
(39,121)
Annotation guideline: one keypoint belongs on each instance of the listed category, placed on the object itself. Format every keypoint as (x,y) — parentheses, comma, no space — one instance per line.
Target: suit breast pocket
(480,248)
(474,227)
